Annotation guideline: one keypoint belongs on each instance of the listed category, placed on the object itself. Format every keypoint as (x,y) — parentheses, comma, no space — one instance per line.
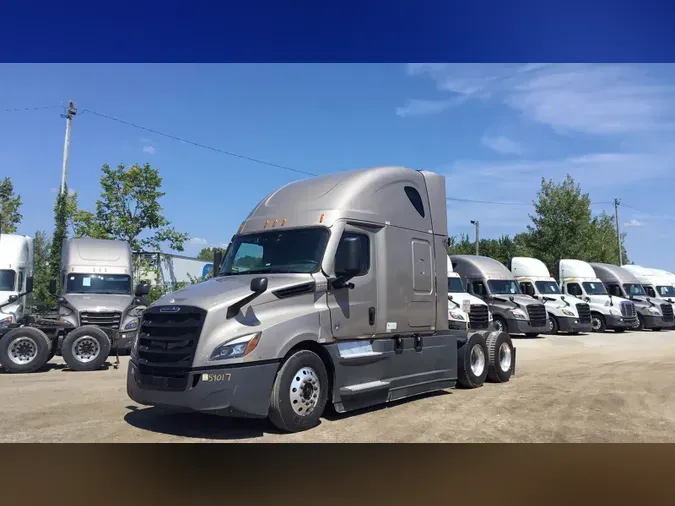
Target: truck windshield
(595,288)
(634,289)
(7,277)
(276,251)
(666,291)
(503,287)
(99,283)
(547,287)
(455,285)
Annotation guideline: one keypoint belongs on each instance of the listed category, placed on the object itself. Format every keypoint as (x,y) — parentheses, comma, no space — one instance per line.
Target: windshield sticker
(86,281)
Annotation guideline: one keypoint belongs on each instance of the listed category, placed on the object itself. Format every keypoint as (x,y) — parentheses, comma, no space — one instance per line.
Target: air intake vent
(295,290)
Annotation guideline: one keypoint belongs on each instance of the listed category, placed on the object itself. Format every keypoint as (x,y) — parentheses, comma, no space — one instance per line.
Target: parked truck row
(335,291)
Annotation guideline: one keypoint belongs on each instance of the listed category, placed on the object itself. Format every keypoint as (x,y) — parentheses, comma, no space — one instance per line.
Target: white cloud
(502,145)
(634,223)
(149,149)
(585,98)
(197,241)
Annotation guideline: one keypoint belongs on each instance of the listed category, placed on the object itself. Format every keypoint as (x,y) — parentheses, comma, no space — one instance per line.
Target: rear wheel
(472,358)
(300,392)
(86,348)
(24,350)
(500,357)
(598,322)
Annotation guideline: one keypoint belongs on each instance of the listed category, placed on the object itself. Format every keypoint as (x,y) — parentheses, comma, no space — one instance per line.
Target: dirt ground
(588,388)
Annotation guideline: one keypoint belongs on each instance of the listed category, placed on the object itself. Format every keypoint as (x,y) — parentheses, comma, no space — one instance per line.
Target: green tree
(129,210)
(62,215)
(206,254)
(502,249)
(9,207)
(42,299)
(602,242)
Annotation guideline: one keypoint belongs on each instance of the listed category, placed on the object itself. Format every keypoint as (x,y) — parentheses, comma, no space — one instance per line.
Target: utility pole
(69,115)
(477,224)
(618,232)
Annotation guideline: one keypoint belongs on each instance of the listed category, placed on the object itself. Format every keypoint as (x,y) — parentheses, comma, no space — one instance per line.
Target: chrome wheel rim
(596,323)
(550,324)
(304,392)
(499,326)
(505,358)
(22,350)
(85,349)
(477,360)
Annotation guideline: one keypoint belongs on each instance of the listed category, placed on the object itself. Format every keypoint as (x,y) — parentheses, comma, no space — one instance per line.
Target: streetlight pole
(476,223)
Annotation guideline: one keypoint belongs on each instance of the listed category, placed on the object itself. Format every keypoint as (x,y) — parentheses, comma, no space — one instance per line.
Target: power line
(22,109)
(204,146)
(488,202)
(661,216)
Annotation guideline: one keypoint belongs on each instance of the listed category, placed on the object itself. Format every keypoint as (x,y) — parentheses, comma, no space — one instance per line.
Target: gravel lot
(588,388)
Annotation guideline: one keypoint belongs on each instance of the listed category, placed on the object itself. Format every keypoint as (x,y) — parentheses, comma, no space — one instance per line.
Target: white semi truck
(465,311)
(578,278)
(334,291)
(658,287)
(566,313)
(16,266)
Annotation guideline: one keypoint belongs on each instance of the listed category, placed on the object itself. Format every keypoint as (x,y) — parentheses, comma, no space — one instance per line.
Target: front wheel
(640,325)
(86,348)
(24,350)
(300,392)
(598,322)
(499,324)
(472,358)
(552,325)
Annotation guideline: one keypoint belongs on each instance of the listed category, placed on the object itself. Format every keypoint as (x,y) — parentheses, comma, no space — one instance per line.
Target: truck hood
(601,299)
(522,300)
(459,297)
(224,291)
(558,302)
(98,302)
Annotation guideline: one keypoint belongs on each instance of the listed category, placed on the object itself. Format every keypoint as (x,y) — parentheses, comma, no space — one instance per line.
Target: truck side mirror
(348,261)
(12,299)
(52,286)
(142,289)
(29,284)
(217,260)
(258,285)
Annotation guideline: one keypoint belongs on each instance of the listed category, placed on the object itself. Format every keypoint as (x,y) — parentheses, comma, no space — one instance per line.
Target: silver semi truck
(334,290)
(490,280)
(621,283)
(96,295)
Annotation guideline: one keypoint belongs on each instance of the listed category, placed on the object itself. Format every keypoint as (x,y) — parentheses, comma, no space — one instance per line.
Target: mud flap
(513,373)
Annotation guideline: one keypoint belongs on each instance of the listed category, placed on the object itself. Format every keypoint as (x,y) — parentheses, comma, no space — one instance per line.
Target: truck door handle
(371,315)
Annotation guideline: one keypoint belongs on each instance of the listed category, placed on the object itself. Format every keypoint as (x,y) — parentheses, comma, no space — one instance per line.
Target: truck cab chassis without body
(334,290)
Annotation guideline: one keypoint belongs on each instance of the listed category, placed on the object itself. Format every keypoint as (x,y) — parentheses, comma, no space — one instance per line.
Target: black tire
(553,327)
(619,331)
(598,323)
(500,357)
(473,349)
(94,348)
(532,335)
(298,369)
(34,346)
(640,326)
(657,329)
(499,324)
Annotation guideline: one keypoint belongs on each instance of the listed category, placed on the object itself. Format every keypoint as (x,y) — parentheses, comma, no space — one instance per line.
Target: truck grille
(628,309)
(667,311)
(537,314)
(584,311)
(478,317)
(167,342)
(109,320)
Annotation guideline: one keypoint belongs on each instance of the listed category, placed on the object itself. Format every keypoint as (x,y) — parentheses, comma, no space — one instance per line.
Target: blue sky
(492,129)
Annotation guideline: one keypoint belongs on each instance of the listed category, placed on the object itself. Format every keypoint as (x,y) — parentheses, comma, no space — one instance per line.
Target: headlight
(519,314)
(567,312)
(614,312)
(456,316)
(654,311)
(132,325)
(236,348)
